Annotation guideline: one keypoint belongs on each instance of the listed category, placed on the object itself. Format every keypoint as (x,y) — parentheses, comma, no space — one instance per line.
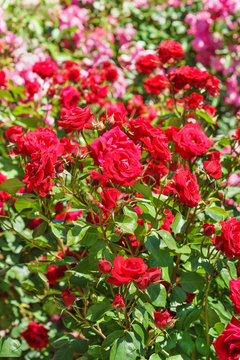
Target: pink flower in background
(3,25)
(126,34)
(221,7)
(73,16)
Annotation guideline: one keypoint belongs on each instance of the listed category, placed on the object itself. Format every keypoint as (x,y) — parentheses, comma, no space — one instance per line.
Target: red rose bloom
(185,186)
(14,133)
(161,319)
(54,273)
(45,68)
(153,275)
(237,134)
(122,166)
(170,49)
(213,166)
(67,297)
(158,148)
(227,345)
(194,100)
(191,141)
(209,229)
(167,221)
(32,88)
(74,74)
(104,266)
(36,335)
(229,241)
(235,294)
(127,270)
(156,84)
(3,80)
(75,119)
(147,63)
(69,97)
(187,75)
(110,197)
(119,301)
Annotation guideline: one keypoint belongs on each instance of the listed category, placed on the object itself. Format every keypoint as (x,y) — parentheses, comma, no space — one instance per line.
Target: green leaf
(95,312)
(126,223)
(5,94)
(157,294)
(112,337)
(168,239)
(177,224)
(11,186)
(192,281)
(175,357)
(10,348)
(204,115)
(186,343)
(208,266)
(26,203)
(20,110)
(178,294)
(123,348)
(218,210)
(202,347)
(144,190)
(80,346)
(63,353)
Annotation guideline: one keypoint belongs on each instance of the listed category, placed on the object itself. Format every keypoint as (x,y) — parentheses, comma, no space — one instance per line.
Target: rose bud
(208,229)
(67,297)
(119,301)
(13,133)
(104,266)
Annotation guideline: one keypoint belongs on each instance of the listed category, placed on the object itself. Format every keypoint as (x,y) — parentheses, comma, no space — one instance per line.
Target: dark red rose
(156,84)
(14,133)
(111,74)
(161,319)
(122,166)
(104,266)
(167,221)
(170,132)
(154,172)
(119,301)
(68,297)
(191,141)
(45,68)
(32,88)
(147,63)
(186,187)
(213,168)
(76,118)
(187,75)
(237,134)
(209,229)
(141,128)
(51,91)
(127,270)
(36,335)
(54,273)
(235,294)
(170,49)
(229,241)
(69,97)
(153,275)
(227,345)
(212,85)
(74,74)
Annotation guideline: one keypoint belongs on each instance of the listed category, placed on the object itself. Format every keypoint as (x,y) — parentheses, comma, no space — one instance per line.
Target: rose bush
(119,180)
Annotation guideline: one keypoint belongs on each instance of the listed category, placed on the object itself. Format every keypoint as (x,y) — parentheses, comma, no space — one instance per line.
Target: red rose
(127,270)
(3,194)
(158,148)
(227,345)
(151,276)
(229,241)
(111,74)
(75,119)
(74,74)
(45,68)
(156,84)
(122,166)
(59,78)
(235,294)
(170,49)
(147,63)
(67,297)
(69,97)
(119,301)
(36,335)
(3,80)
(110,197)
(142,127)
(210,110)
(154,172)
(14,133)
(187,75)
(54,273)
(186,187)
(237,134)
(212,85)
(111,140)
(161,319)
(191,141)
(209,229)
(194,100)
(213,168)
(167,221)
(104,266)
(32,88)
